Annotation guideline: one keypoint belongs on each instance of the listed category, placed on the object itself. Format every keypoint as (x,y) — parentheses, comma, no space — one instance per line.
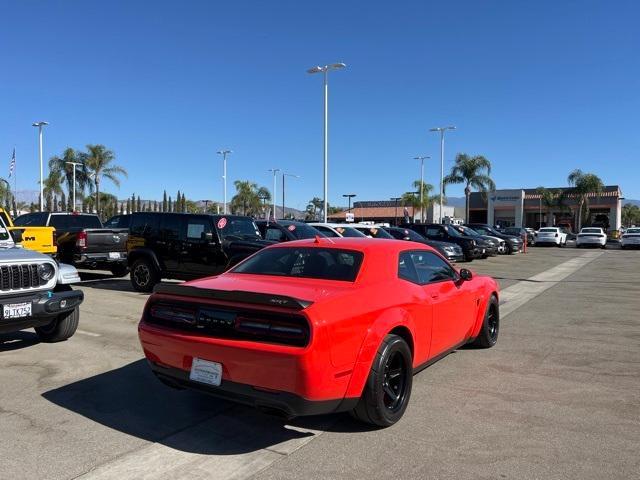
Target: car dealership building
(523,207)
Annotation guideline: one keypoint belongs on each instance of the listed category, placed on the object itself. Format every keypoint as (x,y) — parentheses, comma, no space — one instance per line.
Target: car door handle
(435,296)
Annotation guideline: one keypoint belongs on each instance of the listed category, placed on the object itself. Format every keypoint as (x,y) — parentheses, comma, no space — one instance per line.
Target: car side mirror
(465,274)
(17,236)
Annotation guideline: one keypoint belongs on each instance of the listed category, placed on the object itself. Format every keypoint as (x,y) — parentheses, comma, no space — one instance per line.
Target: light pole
(441,130)
(74,182)
(349,196)
(206,205)
(40,125)
(284,175)
(422,159)
(275,172)
(325,71)
(224,154)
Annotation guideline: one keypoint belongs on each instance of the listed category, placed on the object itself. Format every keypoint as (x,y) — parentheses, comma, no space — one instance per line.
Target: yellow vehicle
(40,239)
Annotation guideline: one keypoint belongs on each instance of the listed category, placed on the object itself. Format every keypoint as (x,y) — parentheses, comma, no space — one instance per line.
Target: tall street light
(441,130)
(285,175)
(349,196)
(40,125)
(422,159)
(275,172)
(224,154)
(325,71)
(75,164)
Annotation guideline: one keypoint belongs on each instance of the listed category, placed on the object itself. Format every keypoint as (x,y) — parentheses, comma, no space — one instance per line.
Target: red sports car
(318,326)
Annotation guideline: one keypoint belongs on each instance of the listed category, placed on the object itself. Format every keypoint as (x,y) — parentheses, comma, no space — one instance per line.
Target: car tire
(488,335)
(383,403)
(119,270)
(604,246)
(60,329)
(144,275)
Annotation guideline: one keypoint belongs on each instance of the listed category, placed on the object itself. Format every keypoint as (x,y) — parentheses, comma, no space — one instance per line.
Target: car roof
(361,244)
(280,222)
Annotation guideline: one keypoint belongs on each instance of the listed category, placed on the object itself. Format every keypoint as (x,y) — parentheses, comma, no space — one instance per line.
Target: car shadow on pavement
(17,340)
(131,400)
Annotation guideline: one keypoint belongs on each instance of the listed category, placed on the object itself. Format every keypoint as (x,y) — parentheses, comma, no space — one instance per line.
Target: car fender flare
(481,312)
(385,323)
(144,252)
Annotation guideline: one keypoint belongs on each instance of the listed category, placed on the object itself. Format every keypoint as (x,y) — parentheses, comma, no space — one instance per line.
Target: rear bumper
(97,260)
(591,241)
(288,404)
(296,380)
(44,307)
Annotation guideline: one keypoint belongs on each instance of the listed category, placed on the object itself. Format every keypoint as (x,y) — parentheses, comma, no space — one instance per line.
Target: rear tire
(388,388)
(144,275)
(488,335)
(62,328)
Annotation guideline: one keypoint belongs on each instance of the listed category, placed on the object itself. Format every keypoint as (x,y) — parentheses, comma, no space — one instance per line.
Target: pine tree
(129,206)
(155,206)
(15,208)
(63,202)
(164,202)
(138,205)
(170,204)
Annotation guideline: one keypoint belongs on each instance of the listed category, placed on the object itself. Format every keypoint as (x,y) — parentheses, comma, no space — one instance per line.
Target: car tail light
(278,331)
(54,237)
(81,240)
(173,313)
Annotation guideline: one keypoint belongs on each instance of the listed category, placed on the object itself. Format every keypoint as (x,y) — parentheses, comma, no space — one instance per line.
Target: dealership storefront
(524,208)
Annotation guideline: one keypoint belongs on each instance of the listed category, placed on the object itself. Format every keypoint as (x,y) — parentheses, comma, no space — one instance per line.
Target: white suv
(551,235)
(593,236)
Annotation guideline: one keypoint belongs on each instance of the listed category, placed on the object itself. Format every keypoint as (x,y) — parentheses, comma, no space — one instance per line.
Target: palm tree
(99,164)
(549,199)
(60,164)
(584,185)
(473,172)
(248,197)
(413,198)
(314,208)
(630,214)
(52,185)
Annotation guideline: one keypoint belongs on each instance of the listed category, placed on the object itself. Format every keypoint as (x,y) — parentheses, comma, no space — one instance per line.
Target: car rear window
(591,230)
(304,262)
(633,230)
(64,221)
(549,230)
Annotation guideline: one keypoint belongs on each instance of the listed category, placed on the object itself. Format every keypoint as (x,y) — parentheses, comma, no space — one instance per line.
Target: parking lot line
(90,334)
(517,295)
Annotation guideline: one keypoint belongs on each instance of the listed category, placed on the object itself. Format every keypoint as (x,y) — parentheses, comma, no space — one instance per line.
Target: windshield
(305,262)
(469,232)
(512,231)
(349,232)
(4,233)
(374,232)
(453,232)
(302,230)
(242,228)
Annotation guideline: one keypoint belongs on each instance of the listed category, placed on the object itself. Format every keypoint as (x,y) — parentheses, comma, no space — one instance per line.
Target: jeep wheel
(63,327)
(144,275)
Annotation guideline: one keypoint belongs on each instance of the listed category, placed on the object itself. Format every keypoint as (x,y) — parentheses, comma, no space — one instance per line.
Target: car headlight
(46,271)
(449,249)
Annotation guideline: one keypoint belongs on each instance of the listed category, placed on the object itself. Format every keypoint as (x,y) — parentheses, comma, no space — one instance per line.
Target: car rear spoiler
(234,296)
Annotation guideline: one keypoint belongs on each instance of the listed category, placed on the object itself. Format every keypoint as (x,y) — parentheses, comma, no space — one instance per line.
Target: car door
(170,239)
(453,310)
(202,253)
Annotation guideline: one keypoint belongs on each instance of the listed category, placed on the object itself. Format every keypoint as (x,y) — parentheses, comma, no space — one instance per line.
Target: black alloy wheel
(143,275)
(488,335)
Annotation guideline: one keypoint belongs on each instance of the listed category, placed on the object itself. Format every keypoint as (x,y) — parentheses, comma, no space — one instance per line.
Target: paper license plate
(16,310)
(114,255)
(204,371)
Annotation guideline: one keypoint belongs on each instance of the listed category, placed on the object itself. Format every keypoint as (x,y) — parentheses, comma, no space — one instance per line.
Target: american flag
(12,165)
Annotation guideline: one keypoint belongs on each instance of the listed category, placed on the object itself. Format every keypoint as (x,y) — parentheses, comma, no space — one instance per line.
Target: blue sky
(539,88)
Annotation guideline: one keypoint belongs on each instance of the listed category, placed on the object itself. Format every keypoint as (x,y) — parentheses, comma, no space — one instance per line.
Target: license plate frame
(114,255)
(12,311)
(206,372)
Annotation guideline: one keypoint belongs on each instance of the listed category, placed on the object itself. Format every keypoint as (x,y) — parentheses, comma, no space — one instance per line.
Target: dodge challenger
(318,326)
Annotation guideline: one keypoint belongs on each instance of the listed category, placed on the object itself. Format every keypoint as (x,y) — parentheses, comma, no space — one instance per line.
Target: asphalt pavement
(558,397)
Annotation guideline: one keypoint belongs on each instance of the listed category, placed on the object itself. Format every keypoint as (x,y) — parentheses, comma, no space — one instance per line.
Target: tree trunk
(467,195)
(97,196)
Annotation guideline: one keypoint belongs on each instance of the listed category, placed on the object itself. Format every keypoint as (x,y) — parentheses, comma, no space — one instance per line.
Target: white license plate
(204,371)
(114,255)
(16,310)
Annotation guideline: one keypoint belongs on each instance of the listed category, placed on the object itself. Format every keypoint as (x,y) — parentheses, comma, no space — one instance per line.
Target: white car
(551,235)
(337,230)
(630,238)
(591,236)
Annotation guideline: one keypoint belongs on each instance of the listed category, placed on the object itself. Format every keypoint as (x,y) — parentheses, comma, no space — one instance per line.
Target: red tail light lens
(81,240)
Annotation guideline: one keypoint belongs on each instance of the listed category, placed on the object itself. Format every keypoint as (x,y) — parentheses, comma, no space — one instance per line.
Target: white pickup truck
(35,292)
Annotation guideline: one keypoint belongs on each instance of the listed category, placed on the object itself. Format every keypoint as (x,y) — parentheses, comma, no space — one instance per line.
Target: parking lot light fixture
(325,71)
(422,159)
(441,130)
(275,172)
(75,164)
(224,154)
(40,125)
(349,196)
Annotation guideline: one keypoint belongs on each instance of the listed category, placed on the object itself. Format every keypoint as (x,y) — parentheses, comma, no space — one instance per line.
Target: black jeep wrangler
(187,246)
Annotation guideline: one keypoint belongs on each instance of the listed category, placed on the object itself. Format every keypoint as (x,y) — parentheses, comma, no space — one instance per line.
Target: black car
(446,233)
(491,246)
(450,251)
(187,246)
(519,232)
(513,243)
(286,230)
(118,221)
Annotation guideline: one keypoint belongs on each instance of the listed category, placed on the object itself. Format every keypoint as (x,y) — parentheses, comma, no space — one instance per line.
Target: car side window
(406,269)
(427,267)
(197,229)
(274,233)
(170,227)
(144,225)
(327,231)
(434,232)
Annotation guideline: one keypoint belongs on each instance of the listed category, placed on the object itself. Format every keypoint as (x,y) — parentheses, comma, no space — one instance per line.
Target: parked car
(630,238)
(531,233)
(523,233)
(372,231)
(551,236)
(35,292)
(450,251)
(40,239)
(512,243)
(118,221)
(82,241)
(591,236)
(285,230)
(492,245)
(447,233)
(319,326)
(186,246)
(337,230)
